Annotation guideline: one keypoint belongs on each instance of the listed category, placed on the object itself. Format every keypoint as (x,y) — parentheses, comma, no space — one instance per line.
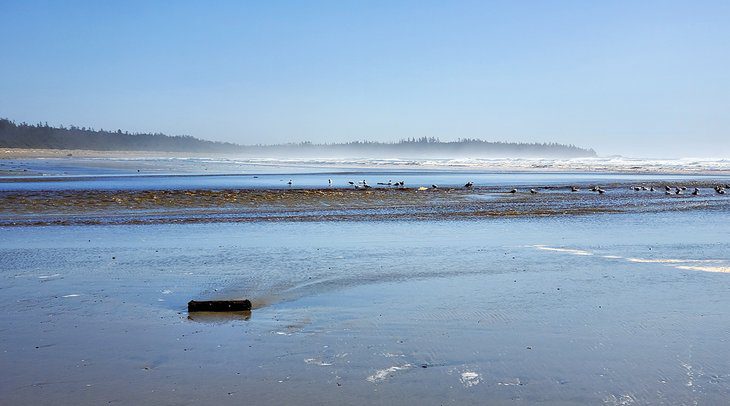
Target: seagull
(574,189)
(329,181)
(651,189)
(469,185)
(513,191)
(289,183)
(601,191)
(434,187)
(533,191)
(695,192)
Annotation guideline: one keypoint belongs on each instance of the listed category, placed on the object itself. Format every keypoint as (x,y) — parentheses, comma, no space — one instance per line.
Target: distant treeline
(43,136)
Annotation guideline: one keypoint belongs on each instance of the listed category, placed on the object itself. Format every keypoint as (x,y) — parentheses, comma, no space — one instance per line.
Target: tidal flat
(391,297)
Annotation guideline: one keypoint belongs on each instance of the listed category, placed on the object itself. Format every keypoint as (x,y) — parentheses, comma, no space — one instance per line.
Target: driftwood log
(219,305)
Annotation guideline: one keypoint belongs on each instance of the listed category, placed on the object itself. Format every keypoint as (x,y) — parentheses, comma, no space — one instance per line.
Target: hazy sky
(639,78)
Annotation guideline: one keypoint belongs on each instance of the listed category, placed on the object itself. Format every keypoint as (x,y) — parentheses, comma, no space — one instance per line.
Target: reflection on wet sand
(219,317)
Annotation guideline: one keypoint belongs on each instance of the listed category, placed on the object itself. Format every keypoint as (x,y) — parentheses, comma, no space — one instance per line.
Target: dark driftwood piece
(219,305)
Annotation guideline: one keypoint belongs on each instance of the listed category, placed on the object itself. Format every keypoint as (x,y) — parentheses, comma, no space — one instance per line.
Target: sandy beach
(387,295)
(365,203)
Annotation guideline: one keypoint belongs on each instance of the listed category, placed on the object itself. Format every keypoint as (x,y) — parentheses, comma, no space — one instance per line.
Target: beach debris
(469,379)
(219,305)
(317,361)
(422,188)
(386,373)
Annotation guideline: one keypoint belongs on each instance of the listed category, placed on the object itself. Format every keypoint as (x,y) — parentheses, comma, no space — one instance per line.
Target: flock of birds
(678,190)
(668,190)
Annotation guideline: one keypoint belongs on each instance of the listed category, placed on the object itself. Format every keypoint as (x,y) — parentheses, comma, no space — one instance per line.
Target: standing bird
(434,187)
(513,191)
(574,189)
(695,192)
(289,183)
(469,185)
(533,191)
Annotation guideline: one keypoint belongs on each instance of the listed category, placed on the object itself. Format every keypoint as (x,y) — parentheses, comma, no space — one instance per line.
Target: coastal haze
(424,203)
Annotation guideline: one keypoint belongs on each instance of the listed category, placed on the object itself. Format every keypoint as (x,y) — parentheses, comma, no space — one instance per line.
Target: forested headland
(43,136)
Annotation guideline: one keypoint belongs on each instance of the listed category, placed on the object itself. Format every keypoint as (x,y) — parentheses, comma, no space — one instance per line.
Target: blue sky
(638,78)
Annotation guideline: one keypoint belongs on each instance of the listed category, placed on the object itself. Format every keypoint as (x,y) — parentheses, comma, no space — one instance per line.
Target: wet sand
(600,309)
(381,296)
(67,207)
